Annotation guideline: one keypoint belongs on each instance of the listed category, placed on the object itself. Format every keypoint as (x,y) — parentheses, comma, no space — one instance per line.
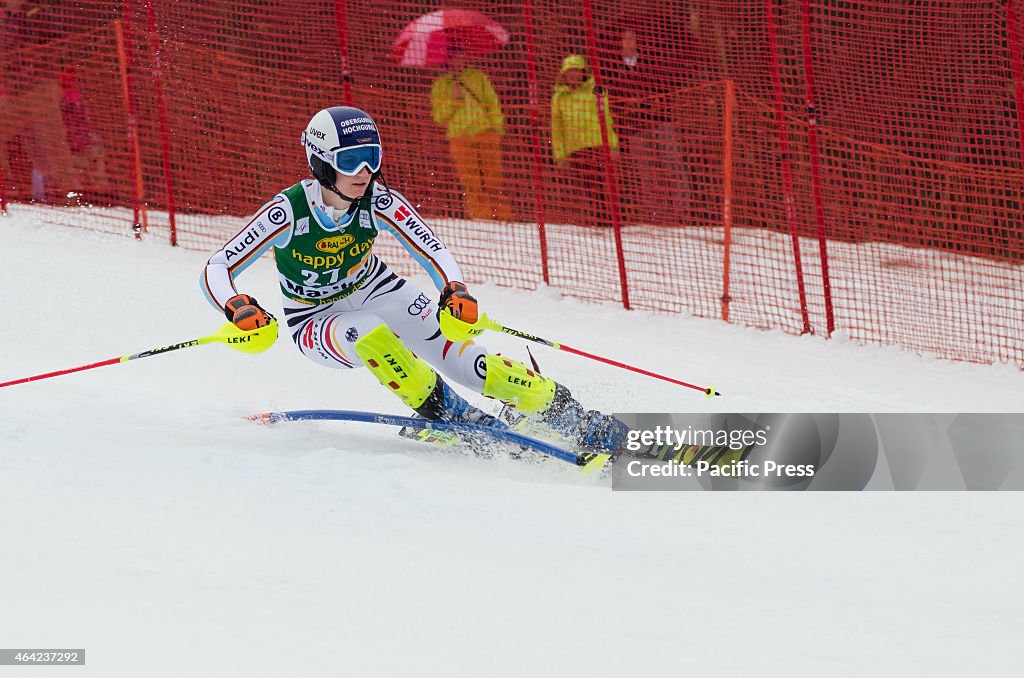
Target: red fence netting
(807,165)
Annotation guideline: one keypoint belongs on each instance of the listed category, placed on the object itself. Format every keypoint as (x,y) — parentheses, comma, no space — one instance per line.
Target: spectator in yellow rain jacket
(464,102)
(577,143)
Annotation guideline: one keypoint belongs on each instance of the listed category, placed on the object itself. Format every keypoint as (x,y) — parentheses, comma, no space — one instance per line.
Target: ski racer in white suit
(344,307)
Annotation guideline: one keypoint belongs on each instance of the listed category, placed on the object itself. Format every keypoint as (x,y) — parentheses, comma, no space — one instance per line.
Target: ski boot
(418,386)
(566,420)
(445,404)
(538,406)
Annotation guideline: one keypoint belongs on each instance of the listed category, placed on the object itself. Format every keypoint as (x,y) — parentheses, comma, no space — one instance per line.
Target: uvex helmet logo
(335,243)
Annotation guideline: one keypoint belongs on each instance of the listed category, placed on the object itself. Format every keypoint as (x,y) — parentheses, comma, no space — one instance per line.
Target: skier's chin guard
(459,330)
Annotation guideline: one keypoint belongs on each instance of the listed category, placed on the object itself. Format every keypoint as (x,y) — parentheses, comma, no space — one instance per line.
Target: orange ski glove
(457,300)
(246,313)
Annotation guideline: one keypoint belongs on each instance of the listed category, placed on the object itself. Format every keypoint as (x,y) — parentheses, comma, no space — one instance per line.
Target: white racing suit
(345,308)
(325,331)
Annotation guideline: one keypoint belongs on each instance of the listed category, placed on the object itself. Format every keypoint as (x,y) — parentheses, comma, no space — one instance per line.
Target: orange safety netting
(810,165)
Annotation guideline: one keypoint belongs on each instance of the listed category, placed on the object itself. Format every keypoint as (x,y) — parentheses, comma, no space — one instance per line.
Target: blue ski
(583,459)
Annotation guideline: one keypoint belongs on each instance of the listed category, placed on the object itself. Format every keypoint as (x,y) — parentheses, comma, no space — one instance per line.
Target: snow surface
(144,520)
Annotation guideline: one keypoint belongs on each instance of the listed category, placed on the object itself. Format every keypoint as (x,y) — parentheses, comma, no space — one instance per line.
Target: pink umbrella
(428,41)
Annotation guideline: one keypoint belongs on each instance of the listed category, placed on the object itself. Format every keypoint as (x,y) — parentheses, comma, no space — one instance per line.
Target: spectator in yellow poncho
(578,145)
(465,103)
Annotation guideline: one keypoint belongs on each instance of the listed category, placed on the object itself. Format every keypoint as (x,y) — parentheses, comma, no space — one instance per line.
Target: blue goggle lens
(350,161)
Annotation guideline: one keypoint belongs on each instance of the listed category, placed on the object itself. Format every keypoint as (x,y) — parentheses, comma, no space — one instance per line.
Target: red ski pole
(253,341)
(457,330)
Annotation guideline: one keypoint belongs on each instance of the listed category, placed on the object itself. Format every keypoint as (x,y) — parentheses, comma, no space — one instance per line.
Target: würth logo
(402,213)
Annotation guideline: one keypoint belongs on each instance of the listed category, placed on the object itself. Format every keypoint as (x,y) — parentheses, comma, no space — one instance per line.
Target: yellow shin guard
(394,365)
(514,383)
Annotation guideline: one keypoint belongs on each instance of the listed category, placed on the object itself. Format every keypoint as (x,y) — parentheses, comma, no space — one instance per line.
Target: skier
(345,308)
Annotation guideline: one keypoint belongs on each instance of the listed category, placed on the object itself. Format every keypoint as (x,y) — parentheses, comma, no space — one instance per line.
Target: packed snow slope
(143,520)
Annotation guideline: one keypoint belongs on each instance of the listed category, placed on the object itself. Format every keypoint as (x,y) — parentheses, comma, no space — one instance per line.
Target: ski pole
(252,341)
(458,330)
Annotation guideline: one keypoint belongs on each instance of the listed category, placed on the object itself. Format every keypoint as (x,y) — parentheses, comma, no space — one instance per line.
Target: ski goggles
(350,161)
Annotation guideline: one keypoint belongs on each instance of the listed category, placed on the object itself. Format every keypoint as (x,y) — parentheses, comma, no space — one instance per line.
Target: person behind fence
(30,105)
(345,308)
(88,157)
(577,143)
(643,83)
(464,102)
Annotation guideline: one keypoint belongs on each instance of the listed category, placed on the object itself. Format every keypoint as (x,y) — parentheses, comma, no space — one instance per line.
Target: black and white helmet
(341,139)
